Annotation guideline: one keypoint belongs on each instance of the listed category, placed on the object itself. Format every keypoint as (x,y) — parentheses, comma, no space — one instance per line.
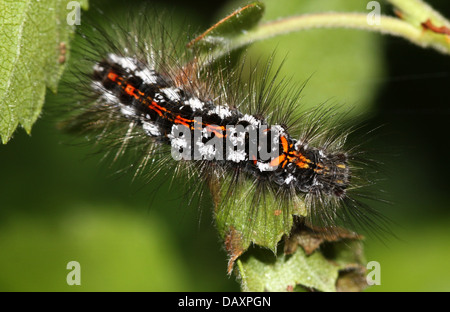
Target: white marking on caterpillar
(250,119)
(127,110)
(279,130)
(127,63)
(150,128)
(106,95)
(289,179)
(171,93)
(148,76)
(98,68)
(194,103)
(207,151)
(236,156)
(265,166)
(158,98)
(221,111)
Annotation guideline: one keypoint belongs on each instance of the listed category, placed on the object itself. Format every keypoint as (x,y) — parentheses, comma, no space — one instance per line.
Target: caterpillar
(217,126)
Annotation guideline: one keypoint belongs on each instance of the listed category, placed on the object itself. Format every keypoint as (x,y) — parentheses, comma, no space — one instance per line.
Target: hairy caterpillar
(138,90)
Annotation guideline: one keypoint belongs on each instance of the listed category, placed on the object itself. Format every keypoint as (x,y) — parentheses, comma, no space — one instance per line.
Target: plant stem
(387,25)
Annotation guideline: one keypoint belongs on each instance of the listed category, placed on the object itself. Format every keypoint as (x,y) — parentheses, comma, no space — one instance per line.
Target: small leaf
(34,37)
(336,266)
(263,271)
(240,222)
(227,28)
(310,238)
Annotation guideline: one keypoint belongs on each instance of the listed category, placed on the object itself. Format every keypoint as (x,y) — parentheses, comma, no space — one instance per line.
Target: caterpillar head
(331,174)
(314,170)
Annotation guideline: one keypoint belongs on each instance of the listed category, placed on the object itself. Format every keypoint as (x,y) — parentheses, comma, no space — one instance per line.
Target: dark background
(58,204)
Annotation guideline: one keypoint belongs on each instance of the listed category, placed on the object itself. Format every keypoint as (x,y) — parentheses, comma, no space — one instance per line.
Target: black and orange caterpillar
(144,93)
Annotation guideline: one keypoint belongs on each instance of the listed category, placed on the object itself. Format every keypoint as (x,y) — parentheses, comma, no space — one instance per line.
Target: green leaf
(263,271)
(336,266)
(218,35)
(262,225)
(34,37)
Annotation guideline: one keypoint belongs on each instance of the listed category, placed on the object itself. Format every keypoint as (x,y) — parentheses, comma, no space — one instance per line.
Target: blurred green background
(59,204)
